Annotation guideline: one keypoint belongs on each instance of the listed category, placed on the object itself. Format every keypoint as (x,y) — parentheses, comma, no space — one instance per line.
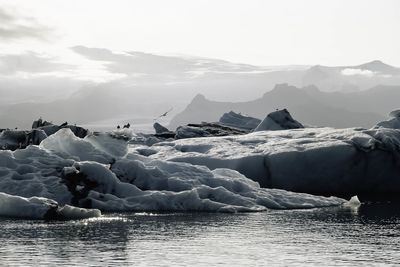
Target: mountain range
(144,85)
(308,105)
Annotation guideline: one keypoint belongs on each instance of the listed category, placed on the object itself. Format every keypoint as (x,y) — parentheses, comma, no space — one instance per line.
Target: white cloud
(362,72)
(14,26)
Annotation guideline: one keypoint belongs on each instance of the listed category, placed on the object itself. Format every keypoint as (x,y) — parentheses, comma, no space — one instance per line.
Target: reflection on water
(328,236)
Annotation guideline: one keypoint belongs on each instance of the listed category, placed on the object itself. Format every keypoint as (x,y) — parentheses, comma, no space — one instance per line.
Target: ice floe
(41,208)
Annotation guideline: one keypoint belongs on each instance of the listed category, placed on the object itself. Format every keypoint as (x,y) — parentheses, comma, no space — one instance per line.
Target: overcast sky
(257,32)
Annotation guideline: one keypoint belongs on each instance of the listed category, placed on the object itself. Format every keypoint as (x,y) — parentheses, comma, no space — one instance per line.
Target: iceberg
(102,172)
(319,161)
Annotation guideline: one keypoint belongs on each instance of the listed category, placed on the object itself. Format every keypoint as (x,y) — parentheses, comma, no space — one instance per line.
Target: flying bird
(164,114)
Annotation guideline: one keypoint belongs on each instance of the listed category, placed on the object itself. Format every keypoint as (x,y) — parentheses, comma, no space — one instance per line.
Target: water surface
(368,235)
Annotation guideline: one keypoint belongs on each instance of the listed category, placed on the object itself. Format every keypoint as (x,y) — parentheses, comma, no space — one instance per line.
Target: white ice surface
(146,184)
(114,180)
(73,213)
(33,172)
(314,160)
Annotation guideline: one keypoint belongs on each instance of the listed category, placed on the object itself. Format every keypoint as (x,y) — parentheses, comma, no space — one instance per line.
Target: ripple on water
(327,236)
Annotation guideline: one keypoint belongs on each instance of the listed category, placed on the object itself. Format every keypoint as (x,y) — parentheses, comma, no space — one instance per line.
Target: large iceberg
(117,171)
(100,172)
(321,161)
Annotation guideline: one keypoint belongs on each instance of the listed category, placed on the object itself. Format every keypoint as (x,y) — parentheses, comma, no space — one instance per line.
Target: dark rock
(205,130)
(239,121)
(78,184)
(278,120)
(159,128)
(162,132)
(50,128)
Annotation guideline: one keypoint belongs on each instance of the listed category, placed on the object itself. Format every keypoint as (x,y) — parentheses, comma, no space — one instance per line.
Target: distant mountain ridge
(146,85)
(308,105)
(351,78)
(379,66)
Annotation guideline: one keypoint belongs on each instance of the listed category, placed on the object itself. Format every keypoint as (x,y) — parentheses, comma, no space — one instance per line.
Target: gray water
(368,235)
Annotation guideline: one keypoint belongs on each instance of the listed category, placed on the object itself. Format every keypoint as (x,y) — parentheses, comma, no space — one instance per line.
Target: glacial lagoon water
(336,236)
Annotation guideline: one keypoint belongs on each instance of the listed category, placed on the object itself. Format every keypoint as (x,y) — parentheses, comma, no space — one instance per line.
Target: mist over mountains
(309,105)
(138,87)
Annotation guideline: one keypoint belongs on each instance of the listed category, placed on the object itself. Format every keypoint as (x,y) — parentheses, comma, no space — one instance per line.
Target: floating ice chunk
(40,208)
(278,120)
(34,207)
(239,121)
(74,213)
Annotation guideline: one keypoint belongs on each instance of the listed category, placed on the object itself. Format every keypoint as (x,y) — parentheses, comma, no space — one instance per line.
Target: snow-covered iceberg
(100,172)
(321,161)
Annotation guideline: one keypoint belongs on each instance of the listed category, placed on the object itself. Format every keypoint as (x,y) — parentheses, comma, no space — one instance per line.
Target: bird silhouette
(164,114)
